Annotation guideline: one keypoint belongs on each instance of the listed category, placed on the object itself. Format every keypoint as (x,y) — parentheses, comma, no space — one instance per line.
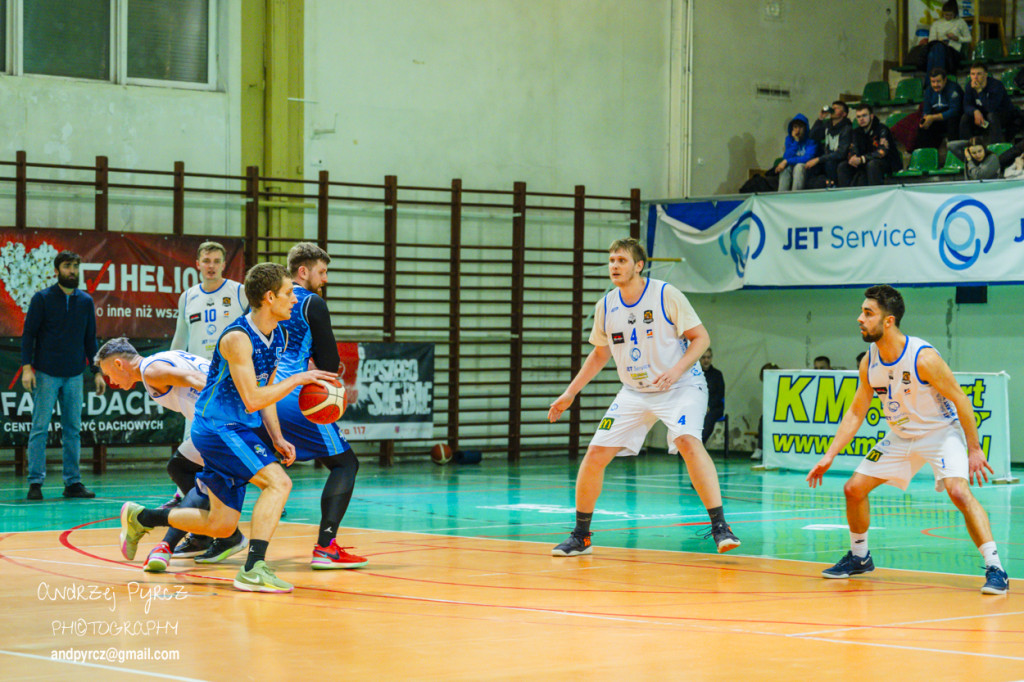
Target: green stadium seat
(895,118)
(953,166)
(999,147)
(908,91)
(1014,51)
(906,68)
(988,51)
(875,93)
(1007,78)
(922,162)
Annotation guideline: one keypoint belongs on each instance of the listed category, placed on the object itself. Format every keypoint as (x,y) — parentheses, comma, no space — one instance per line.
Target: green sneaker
(260,579)
(131,530)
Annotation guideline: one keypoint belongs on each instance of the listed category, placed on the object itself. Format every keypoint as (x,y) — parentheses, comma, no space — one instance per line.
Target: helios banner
(134,279)
(949,233)
(803,408)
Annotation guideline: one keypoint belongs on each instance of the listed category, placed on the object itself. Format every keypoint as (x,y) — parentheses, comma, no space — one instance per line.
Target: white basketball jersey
(208,313)
(911,406)
(178,398)
(643,341)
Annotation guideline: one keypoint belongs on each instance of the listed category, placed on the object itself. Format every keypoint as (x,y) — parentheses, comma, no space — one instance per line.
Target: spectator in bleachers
(832,133)
(979,162)
(716,394)
(946,38)
(987,107)
(800,149)
(1015,171)
(943,105)
(822,362)
(873,154)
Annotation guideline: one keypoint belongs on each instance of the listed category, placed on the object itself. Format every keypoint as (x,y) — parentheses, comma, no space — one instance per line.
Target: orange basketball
(322,404)
(441,453)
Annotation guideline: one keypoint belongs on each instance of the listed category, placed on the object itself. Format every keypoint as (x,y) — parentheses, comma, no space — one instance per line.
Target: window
(146,42)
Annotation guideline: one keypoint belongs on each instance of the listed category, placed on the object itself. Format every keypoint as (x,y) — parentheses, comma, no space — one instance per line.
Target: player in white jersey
(931,421)
(656,338)
(174,380)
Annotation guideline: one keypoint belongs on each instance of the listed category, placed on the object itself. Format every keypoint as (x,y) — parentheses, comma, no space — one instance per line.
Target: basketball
(441,453)
(322,404)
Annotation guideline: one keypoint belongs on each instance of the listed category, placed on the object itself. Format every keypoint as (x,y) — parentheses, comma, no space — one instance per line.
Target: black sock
(582,523)
(717,516)
(151,518)
(337,494)
(257,552)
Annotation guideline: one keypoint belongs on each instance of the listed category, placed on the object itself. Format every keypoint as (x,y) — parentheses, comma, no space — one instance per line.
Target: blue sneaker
(850,565)
(996,581)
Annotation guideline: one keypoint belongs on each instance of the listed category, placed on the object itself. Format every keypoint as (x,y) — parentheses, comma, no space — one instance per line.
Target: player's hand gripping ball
(322,403)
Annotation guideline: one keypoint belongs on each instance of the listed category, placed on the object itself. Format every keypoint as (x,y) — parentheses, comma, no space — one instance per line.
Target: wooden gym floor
(461,584)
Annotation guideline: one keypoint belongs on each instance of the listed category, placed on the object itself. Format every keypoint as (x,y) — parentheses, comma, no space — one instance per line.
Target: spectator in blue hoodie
(943,105)
(987,108)
(800,149)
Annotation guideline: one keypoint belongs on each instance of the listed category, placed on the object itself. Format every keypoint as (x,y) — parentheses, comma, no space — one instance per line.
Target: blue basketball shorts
(233,455)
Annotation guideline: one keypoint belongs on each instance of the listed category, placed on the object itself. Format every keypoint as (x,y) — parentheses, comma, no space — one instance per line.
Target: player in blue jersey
(311,338)
(238,397)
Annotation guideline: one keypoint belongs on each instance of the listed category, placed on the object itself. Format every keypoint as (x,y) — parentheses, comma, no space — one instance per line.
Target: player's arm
(180,340)
(594,363)
(934,370)
(848,427)
(273,426)
(324,348)
(162,375)
(699,342)
(236,348)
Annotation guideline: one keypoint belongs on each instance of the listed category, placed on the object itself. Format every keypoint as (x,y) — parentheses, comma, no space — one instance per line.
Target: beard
(69,282)
(870,337)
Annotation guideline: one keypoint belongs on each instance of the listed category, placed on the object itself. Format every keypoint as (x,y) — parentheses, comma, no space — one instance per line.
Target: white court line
(909,622)
(146,673)
(911,648)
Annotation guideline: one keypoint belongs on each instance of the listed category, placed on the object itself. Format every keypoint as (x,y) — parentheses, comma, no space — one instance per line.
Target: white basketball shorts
(632,414)
(897,459)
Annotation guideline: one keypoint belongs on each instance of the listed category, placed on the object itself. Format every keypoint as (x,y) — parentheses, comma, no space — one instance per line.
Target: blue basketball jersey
(295,359)
(220,401)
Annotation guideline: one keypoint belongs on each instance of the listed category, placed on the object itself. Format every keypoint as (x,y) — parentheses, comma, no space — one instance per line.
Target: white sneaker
(757,454)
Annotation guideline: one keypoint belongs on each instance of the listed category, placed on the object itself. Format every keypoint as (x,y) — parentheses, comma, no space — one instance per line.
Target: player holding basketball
(311,338)
(656,338)
(923,404)
(173,379)
(239,385)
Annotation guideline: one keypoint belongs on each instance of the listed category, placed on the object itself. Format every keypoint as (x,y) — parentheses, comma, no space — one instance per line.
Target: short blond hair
(261,278)
(631,246)
(308,254)
(211,246)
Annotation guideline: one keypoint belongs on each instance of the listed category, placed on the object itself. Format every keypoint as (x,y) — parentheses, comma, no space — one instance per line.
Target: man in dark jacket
(941,111)
(987,108)
(873,154)
(57,345)
(833,133)
(716,394)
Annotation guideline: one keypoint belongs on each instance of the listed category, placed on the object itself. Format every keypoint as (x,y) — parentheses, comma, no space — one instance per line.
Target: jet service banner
(949,233)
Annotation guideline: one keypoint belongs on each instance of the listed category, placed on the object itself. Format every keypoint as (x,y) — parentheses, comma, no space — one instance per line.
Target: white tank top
(644,342)
(178,398)
(911,406)
(208,313)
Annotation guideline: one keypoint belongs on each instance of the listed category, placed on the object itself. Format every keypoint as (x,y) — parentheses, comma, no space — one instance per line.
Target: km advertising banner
(803,408)
(389,387)
(135,279)
(950,233)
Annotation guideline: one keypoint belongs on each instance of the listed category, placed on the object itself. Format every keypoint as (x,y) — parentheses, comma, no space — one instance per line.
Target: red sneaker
(333,556)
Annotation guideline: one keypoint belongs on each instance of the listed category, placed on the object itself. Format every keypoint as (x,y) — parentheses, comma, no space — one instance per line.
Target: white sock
(988,550)
(859,544)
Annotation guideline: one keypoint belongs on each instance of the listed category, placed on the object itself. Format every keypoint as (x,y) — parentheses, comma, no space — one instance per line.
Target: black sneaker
(171,503)
(850,565)
(78,490)
(192,545)
(724,538)
(222,548)
(35,491)
(574,546)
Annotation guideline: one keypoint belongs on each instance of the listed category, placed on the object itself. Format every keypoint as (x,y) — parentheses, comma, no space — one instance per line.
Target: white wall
(493,91)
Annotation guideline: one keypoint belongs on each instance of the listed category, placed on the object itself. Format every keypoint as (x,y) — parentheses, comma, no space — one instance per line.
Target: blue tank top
(295,359)
(219,400)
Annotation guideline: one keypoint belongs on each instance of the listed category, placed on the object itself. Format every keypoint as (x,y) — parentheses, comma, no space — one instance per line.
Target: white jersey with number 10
(204,315)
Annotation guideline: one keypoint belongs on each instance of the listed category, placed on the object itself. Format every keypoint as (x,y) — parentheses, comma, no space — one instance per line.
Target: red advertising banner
(134,278)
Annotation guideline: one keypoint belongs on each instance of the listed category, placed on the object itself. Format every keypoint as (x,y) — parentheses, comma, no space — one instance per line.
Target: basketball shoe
(574,546)
(260,578)
(194,545)
(724,537)
(996,581)
(158,559)
(850,565)
(222,548)
(335,556)
(131,530)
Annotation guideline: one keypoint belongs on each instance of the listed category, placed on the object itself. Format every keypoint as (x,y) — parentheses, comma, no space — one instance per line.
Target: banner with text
(803,408)
(135,279)
(950,233)
(389,388)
